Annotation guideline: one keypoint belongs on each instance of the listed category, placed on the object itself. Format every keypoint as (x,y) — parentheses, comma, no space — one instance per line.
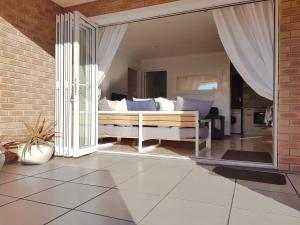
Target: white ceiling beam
(160,10)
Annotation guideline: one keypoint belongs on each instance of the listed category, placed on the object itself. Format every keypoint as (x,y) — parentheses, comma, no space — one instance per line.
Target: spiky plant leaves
(41,134)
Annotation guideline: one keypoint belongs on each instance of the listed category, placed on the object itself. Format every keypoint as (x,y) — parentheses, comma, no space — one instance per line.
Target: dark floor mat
(250,175)
(262,157)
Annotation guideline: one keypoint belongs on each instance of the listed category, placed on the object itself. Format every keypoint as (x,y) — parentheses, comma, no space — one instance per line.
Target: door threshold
(231,163)
(212,162)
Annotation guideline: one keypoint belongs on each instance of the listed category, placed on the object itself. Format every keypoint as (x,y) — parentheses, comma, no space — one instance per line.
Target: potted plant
(38,147)
(7,147)
(2,156)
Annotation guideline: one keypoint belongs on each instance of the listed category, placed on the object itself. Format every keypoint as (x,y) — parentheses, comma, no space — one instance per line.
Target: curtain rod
(185,12)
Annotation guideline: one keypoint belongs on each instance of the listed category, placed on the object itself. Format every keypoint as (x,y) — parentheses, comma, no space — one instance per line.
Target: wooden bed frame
(186,119)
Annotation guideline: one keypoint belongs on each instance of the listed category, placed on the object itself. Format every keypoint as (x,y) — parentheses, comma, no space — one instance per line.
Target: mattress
(152,132)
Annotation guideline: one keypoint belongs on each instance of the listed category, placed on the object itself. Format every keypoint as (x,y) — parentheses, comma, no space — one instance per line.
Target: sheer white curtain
(109,41)
(247,34)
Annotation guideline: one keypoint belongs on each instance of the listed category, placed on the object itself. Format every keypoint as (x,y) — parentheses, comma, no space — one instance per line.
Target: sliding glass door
(76,96)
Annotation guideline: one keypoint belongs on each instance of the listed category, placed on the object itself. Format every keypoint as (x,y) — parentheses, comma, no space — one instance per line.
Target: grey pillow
(148,105)
(147,99)
(188,104)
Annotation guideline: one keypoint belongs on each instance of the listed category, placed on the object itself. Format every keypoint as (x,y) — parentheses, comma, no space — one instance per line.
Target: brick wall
(289,86)
(27,65)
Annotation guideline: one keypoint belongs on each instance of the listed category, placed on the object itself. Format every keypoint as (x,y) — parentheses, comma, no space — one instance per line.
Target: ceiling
(187,34)
(67,3)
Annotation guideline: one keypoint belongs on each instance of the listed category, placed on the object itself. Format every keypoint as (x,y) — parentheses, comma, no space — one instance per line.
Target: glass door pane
(85,88)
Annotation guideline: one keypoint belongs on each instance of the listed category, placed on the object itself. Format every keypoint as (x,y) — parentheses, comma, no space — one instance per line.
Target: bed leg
(119,139)
(140,145)
(140,139)
(197,147)
(208,139)
(159,141)
(197,135)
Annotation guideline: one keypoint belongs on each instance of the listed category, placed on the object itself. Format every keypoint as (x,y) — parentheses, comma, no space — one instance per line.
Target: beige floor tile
(104,178)
(174,163)
(4,200)
(295,179)
(125,205)
(67,195)
(157,180)
(131,166)
(80,218)
(179,212)
(27,186)
(70,161)
(30,170)
(168,171)
(264,201)
(245,217)
(287,188)
(97,163)
(65,173)
(206,189)
(204,170)
(92,161)
(24,213)
(7,177)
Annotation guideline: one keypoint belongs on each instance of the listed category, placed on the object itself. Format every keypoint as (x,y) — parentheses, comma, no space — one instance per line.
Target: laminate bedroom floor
(262,144)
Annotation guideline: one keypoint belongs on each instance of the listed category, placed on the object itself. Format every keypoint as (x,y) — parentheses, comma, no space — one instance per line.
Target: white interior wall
(192,65)
(117,76)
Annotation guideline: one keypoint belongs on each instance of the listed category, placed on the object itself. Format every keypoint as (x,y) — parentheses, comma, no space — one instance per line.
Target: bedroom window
(195,83)
(207,86)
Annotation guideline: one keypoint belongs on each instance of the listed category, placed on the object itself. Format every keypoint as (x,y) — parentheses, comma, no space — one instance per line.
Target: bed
(158,125)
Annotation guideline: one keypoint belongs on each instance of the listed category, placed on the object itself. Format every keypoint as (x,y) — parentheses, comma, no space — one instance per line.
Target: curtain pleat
(109,41)
(247,34)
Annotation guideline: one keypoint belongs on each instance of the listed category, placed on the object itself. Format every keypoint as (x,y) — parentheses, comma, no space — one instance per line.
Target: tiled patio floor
(109,189)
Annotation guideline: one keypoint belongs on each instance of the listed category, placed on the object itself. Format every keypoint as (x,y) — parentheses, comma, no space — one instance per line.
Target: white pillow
(117,105)
(141,99)
(165,104)
(103,105)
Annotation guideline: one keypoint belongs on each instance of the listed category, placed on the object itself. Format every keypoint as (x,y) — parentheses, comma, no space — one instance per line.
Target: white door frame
(189,6)
(85,23)
(67,110)
(162,10)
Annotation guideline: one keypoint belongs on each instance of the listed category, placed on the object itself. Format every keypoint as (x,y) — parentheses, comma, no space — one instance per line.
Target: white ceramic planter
(36,155)
(2,159)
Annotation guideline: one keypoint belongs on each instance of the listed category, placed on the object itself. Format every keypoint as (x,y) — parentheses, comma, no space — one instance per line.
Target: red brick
(295,168)
(290,11)
(295,152)
(289,160)
(290,41)
(295,33)
(283,167)
(289,27)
